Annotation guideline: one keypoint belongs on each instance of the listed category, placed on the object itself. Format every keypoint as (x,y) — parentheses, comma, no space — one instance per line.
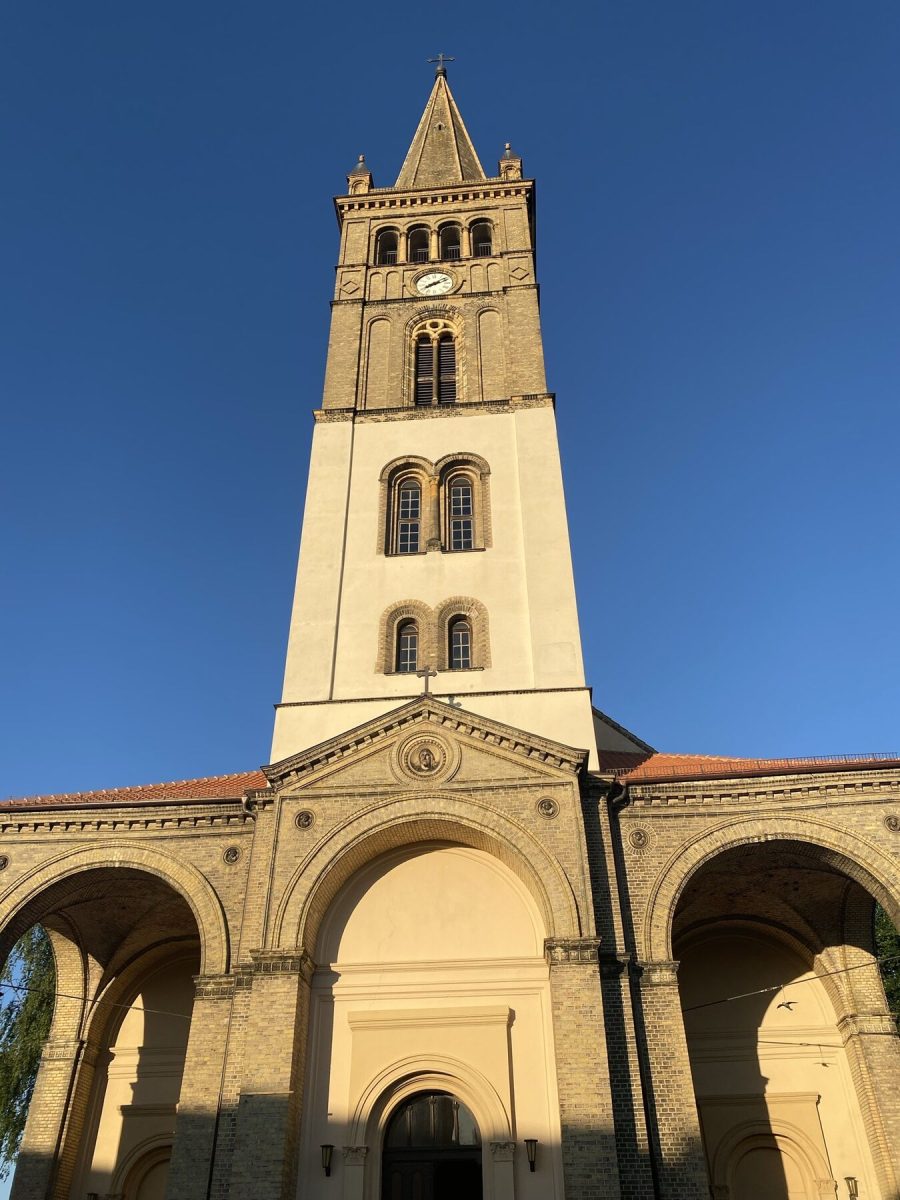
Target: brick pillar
(582,1070)
(271,1093)
(43,1169)
(199,1103)
(873,1052)
(675,1133)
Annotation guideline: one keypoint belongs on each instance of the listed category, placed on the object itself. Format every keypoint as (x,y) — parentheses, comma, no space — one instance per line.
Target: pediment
(427,743)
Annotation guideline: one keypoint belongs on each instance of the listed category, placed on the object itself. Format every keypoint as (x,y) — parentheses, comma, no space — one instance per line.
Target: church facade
(465,936)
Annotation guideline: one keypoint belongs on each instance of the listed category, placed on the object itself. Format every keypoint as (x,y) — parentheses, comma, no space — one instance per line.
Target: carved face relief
(425,757)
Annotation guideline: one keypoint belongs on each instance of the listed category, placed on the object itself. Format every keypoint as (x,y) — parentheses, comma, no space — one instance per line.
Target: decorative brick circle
(305,819)
(892,823)
(548,808)
(425,758)
(231,855)
(639,838)
(4,861)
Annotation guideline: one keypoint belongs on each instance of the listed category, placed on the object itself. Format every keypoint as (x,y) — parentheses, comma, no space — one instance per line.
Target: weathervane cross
(426,673)
(440,59)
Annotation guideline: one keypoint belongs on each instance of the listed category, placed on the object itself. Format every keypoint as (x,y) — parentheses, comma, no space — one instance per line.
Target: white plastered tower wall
(530,674)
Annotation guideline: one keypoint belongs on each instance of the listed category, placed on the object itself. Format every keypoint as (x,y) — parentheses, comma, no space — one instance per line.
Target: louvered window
(407,648)
(460,645)
(409,517)
(424,370)
(446,370)
(462,515)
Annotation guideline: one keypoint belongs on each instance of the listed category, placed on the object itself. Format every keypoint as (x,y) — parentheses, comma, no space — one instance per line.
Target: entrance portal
(432,1151)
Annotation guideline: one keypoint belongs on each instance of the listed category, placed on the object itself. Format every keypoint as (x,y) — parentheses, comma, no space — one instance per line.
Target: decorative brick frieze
(560,951)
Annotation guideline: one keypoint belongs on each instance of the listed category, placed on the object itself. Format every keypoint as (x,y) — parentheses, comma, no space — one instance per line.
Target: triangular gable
(426,715)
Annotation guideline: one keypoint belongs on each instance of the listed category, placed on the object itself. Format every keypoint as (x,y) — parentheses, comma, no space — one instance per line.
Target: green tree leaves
(25,1016)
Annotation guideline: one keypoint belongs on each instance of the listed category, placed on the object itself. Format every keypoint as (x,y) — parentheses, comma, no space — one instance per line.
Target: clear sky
(719,189)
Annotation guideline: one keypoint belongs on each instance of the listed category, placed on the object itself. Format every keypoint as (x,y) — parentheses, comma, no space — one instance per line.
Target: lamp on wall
(852,1187)
(531,1151)
(327,1152)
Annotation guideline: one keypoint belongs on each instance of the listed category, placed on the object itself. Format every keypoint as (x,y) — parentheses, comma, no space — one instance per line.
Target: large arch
(397,823)
(858,858)
(20,904)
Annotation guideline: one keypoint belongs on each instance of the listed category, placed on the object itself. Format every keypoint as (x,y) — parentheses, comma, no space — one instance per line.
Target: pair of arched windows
(452,637)
(459,646)
(436,508)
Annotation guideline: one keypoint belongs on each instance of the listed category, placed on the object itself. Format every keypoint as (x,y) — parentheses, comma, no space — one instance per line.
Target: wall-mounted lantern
(852,1187)
(327,1152)
(531,1151)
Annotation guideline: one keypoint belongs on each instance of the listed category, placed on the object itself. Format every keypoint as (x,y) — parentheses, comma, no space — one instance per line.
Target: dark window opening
(419,245)
(407,648)
(386,248)
(450,242)
(460,645)
(482,240)
(409,515)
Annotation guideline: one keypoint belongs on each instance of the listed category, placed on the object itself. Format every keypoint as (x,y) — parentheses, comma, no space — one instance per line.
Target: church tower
(435,535)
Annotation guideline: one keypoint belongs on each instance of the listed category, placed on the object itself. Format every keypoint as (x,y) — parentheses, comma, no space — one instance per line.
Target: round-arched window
(434,1121)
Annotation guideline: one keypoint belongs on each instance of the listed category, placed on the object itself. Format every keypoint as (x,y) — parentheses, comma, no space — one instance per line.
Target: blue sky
(718,193)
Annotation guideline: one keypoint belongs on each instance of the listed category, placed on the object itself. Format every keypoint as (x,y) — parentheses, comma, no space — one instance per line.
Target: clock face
(434,283)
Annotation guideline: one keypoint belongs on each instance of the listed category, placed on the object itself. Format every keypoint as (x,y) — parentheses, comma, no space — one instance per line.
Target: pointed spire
(441,150)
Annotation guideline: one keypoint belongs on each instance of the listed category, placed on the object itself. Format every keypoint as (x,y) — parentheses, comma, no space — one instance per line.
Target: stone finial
(510,164)
(360,178)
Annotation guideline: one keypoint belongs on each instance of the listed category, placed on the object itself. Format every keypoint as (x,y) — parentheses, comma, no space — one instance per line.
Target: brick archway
(20,900)
(858,858)
(408,822)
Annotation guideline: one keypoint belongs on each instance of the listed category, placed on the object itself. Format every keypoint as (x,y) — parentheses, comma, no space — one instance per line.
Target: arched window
(408,530)
(386,247)
(459,648)
(460,505)
(407,657)
(419,244)
(435,369)
(435,1120)
(482,239)
(450,241)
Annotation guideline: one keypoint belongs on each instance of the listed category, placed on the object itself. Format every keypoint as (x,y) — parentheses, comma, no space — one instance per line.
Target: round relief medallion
(4,861)
(231,855)
(548,808)
(425,758)
(892,823)
(639,838)
(305,819)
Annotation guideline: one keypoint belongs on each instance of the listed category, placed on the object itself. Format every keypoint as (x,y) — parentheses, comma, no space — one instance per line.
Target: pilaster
(269,1108)
(200,1102)
(873,1053)
(675,1127)
(585,1101)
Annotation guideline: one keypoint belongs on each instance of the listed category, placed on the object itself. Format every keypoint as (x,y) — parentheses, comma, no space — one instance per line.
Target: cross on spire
(440,59)
(426,673)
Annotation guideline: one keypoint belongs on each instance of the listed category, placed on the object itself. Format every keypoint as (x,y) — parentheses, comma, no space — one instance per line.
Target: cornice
(172,816)
(381,198)
(826,787)
(437,411)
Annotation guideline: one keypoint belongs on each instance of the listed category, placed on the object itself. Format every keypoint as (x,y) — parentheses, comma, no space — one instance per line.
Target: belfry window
(461,514)
(419,245)
(386,247)
(435,369)
(450,242)
(482,240)
(407,658)
(459,649)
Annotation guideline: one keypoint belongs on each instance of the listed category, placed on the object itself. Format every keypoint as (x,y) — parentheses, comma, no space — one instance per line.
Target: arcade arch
(790,1041)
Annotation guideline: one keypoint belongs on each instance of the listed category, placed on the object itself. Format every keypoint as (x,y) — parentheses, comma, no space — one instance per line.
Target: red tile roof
(658,768)
(210,787)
